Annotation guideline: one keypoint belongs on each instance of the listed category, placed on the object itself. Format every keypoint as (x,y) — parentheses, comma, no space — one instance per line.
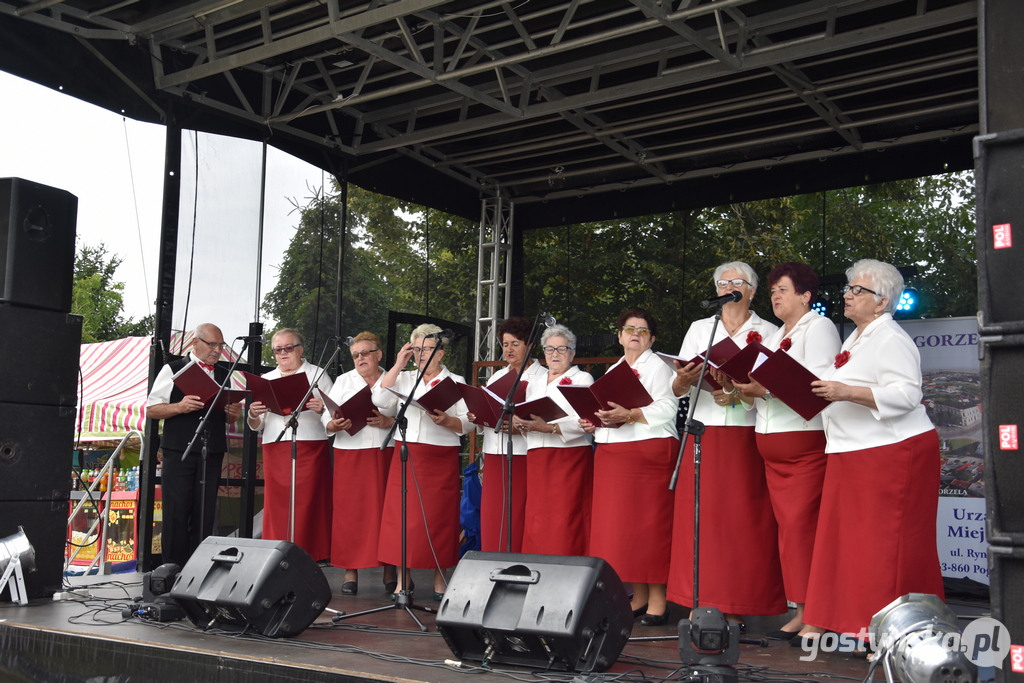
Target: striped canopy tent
(113,386)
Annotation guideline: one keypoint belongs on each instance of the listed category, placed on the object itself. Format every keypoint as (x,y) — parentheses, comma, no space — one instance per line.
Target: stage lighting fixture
(910,639)
(710,645)
(17,558)
(908,301)
(822,306)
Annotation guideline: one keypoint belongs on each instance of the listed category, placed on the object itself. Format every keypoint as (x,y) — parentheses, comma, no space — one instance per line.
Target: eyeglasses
(363,354)
(558,349)
(214,345)
(642,331)
(735,282)
(282,350)
(857,289)
(422,349)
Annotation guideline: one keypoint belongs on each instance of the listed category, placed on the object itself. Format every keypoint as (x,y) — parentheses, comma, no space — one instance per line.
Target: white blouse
(815,343)
(657,378)
(696,342)
(421,429)
(495,443)
(347,386)
(885,359)
(310,426)
(571,434)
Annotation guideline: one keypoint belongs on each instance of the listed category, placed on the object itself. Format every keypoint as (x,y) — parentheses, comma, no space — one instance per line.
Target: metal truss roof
(574,110)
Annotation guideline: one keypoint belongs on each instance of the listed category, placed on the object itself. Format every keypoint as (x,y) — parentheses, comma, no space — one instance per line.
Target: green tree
(99,299)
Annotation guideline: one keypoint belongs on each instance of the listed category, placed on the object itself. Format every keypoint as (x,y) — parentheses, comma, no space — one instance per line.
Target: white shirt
(345,387)
(420,428)
(164,383)
(572,435)
(696,342)
(815,343)
(310,426)
(657,378)
(535,373)
(885,359)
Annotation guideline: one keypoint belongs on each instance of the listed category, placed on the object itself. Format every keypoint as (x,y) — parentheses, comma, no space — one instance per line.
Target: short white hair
(883,277)
(740,267)
(558,331)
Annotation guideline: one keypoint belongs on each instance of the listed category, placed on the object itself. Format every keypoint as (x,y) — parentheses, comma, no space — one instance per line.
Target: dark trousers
(182,490)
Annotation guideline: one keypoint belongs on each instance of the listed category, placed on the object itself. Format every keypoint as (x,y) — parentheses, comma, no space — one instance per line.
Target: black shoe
(411,588)
(809,639)
(781,635)
(639,611)
(438,597)
(654,619)
(390,586)
(350,588)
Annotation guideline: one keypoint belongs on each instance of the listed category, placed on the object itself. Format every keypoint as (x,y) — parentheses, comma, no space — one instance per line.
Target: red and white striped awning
(113,386)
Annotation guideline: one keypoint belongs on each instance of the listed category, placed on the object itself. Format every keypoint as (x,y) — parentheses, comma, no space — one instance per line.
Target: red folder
(482,404)
(282,395)
(500,388)
(790,382)
(720,353)
(543,407)
(441,396)
(620,384)
(194,381)
(738,367)
(358,408)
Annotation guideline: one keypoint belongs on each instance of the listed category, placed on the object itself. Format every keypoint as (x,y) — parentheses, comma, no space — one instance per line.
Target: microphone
(548,320)
(261,338)
(721,300)
(347,341)
(443,334)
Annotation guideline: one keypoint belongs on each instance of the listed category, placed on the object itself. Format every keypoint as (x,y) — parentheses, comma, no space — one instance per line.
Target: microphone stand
(696,428)
(201,429)
(293,423)
(403,598)
(506,412)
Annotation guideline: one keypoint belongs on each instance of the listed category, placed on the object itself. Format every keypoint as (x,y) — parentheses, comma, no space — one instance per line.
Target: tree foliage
(406,258)
(98,298)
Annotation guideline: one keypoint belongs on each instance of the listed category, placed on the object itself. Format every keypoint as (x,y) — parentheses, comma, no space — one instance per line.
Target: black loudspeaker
(1006,589)
(544,611)
(35,451)
(39,356)
(272,587)
(999,167)
(1002,379)
(37,244)
(46,526)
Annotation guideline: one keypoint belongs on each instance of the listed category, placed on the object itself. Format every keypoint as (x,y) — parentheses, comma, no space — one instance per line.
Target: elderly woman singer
(739,555)
(433,477)
(876,528)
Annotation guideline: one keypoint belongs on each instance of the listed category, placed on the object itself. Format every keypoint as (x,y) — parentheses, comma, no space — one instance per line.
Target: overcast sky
(114,166)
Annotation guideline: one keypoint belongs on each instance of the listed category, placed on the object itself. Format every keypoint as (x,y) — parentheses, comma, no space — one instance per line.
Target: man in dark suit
(184,481)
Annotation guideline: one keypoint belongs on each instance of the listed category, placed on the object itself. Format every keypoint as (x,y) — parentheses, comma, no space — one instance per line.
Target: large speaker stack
(39,352)
(999,179)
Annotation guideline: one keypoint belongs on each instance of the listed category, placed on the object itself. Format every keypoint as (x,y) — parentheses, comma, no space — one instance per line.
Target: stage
(88,639)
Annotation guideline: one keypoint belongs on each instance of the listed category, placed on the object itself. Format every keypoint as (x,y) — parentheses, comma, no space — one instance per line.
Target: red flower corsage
(435,382)
(636,372)
(786,344)
(842,358)
(753,336)
(565,381)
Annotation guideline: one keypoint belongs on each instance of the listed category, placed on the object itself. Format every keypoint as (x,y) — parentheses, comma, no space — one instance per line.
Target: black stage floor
(88,640)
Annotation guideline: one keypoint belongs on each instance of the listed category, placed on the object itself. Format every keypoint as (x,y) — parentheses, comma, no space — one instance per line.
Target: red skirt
(559,486)
(794,464)
(876,532)
(432,503)
(632,527)
(360,476)
(739,552)
(494,503)
(312,494)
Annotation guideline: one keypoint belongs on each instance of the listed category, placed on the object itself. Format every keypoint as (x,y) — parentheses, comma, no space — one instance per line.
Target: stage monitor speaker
(1006,587)
(37,244)
(39,356)
(272,587)
(35,451)
(46,526)
(1002,382)
(543,611)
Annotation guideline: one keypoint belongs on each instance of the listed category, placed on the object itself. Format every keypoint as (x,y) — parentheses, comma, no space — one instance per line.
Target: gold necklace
(733,330)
